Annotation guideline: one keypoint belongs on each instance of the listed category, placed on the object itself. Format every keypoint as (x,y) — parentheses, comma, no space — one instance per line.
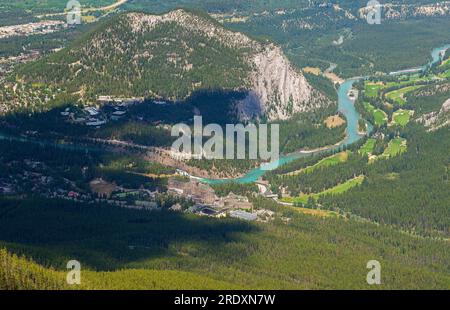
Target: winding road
(86,10)
(105,8)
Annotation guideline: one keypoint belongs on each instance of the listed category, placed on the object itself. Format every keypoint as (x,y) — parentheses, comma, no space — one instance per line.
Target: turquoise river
(345,106)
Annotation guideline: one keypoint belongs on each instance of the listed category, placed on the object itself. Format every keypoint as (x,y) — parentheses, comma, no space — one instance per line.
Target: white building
(92,111)
(243,215)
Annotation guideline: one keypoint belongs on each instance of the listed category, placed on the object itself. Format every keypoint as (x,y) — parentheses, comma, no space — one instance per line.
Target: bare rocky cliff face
(141,23)
(436,120)
(280,89)
(275,88)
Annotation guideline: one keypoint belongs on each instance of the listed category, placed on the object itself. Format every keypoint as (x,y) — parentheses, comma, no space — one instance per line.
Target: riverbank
(345,106)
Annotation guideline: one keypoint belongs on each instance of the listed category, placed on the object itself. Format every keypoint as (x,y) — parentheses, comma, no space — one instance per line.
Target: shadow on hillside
(215,106)
(140,124)
(108,238)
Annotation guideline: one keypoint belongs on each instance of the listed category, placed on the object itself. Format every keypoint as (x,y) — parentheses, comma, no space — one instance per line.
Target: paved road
(106,8)
(95,9)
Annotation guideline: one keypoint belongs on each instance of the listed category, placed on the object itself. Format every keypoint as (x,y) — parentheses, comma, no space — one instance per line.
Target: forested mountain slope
(19,273)
(435,120)
(173,55)
(136,249)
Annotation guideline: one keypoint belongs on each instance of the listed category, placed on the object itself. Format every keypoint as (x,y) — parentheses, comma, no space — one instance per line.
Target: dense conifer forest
(109,197)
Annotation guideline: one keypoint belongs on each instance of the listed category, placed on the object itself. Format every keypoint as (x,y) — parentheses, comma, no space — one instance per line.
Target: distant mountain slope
(173,55)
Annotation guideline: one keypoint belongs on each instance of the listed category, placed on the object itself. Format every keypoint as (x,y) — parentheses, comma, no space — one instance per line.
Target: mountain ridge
(171,56)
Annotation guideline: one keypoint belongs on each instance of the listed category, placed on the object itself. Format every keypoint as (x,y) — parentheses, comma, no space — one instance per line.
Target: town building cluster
(207,203)
(112,109)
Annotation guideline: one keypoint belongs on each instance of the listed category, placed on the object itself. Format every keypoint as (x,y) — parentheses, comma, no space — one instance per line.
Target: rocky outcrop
(436,120)
(278,87)
(172,56)
(141,23)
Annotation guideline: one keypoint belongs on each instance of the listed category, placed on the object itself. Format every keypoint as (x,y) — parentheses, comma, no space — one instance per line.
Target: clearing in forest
(398,96)
(368,147)
(380,117)
(402,117)
(326,162)
(338,189)
(395,147)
